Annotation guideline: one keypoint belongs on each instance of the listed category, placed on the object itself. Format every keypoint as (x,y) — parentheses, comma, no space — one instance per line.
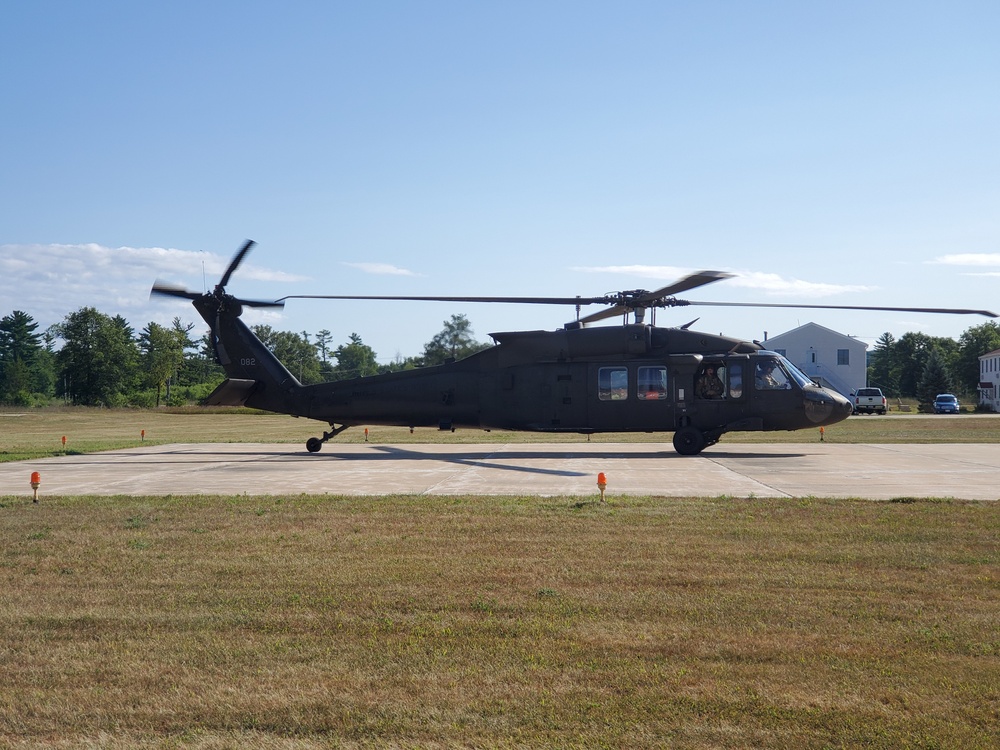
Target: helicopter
(635,377)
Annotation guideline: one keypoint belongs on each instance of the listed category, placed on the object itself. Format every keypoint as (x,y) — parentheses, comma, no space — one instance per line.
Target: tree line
(920,366)
(93,359)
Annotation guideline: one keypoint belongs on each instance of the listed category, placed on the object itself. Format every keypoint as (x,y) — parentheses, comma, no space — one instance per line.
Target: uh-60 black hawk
(629,378)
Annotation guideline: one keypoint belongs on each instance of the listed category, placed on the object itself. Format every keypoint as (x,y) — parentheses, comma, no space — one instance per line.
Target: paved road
(789,470)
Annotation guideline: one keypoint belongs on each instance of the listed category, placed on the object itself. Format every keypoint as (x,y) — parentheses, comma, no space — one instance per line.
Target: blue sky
(826,152)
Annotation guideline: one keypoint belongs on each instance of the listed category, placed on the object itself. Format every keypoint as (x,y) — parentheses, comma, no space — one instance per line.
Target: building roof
(801,328)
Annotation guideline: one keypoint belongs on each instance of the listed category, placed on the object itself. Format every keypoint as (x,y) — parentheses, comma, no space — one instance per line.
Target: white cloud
(769,283)
(969,259)
(51,281)
(773,284)
(381,269)
(665,273)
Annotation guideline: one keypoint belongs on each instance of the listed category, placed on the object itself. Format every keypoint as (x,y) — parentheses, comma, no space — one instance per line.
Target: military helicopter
(629,378)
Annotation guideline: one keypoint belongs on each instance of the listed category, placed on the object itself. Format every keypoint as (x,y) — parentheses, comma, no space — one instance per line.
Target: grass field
(432,622)
(498,622)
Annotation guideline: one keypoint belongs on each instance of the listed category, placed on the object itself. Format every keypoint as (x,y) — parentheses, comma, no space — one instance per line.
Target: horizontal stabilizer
(233,392)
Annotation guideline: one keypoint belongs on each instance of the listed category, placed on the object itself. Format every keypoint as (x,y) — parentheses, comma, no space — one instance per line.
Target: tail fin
(256,378)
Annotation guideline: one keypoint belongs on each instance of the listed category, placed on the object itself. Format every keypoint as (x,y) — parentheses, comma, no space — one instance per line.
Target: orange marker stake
(142,435)
(36,479)
(64,441)
(602,483)
(821,434)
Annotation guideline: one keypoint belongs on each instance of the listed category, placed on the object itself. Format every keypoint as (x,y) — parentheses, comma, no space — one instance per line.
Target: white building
(831,359)
(989,380)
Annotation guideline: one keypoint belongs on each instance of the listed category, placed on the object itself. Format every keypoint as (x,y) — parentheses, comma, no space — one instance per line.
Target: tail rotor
(218,297)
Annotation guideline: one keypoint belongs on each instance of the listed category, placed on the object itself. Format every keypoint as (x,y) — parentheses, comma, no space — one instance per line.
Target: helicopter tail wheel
(689,441)
(313,445)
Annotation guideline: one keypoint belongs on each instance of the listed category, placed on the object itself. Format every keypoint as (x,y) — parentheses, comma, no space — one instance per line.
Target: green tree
(883,370)
(23,367)
(44,369)
(16,383)
(933,380)
(910,355)
(18,339)
(200,365)
(182,333)
(323,339)
(354,359)
(455,341)
(98,362)
(399,363)
(162,355)
(972,344)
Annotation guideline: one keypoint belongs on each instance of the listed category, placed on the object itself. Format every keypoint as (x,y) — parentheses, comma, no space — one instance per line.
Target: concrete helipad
(970,471)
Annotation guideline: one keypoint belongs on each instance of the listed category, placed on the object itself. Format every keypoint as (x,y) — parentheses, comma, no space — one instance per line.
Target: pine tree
(933,380)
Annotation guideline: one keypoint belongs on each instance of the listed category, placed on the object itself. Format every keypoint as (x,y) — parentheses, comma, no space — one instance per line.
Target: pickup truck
(870,401)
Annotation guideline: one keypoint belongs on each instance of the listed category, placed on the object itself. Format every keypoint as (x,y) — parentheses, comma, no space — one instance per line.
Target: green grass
(38,433)
(211,622)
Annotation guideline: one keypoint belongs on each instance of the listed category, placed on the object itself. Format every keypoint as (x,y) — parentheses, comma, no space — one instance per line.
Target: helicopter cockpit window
(774,372)
(652,383)
(795,373)
(769,375)
(612,383)
(710,382)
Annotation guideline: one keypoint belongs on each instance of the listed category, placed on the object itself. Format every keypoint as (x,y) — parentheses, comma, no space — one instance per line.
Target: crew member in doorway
(709,385)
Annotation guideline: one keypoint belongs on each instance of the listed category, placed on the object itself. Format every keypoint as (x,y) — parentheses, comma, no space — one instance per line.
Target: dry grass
(302,622)
(38,433)
(498,622)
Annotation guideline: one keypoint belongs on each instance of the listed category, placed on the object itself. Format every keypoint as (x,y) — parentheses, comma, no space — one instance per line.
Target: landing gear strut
(314,444)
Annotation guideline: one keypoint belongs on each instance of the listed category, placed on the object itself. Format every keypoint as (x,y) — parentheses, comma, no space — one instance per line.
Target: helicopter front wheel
(689,441)
(313,445)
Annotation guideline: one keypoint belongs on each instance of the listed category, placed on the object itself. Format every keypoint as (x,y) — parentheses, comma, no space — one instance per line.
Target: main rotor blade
(951,310)
(513,300)
(235,262)
(686,284)
(259,302)
(169,290)
(611,312)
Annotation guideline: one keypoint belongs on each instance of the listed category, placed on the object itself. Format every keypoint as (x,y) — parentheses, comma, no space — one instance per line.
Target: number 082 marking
(248,361)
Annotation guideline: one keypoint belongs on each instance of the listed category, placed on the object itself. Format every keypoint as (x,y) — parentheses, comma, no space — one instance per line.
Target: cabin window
(843,356)
(652,383)
(735,378)
(612,383)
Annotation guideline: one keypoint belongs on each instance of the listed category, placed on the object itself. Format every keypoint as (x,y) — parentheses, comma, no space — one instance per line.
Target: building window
(843,356)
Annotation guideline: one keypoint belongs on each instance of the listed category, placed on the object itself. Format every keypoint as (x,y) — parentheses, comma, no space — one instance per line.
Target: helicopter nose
(824,406)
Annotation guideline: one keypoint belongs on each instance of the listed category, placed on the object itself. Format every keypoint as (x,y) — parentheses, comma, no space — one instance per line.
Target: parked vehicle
(870,401)
(946,403)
